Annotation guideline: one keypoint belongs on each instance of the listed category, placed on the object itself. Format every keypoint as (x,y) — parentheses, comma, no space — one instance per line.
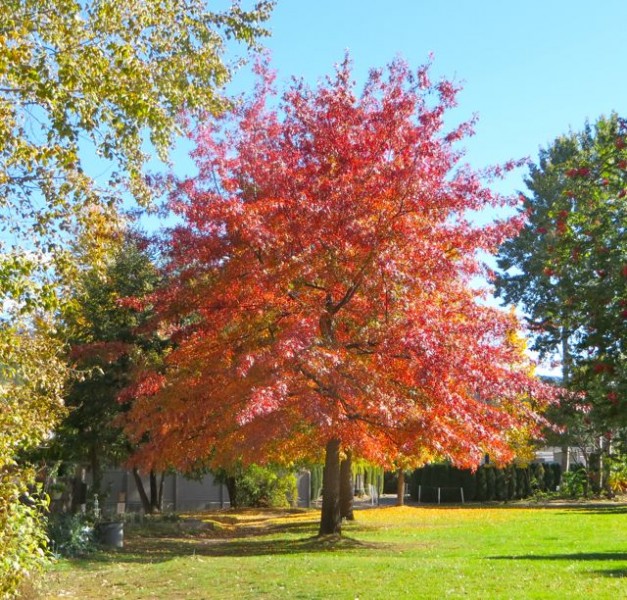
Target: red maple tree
(320,289)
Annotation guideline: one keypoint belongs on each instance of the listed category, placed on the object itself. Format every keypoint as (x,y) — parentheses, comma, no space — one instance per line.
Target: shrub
(390,480)
(536,478)
(414,482)
(365,479)
(557,474)
(264,487)
(316,481)
(469,483)
(548,479)
(380,474)
(575,482)
(510,478)
(23,540)
(500,485)
(71,535)
(486,483)
(482,485)
(617,480)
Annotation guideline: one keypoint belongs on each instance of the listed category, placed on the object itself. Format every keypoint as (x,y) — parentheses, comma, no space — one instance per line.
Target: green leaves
(566,268)
(101,77)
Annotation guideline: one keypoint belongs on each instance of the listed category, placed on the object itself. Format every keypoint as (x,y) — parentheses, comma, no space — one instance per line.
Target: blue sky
(531,70)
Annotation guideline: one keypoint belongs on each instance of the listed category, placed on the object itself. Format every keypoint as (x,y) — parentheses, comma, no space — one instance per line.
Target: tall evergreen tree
(568,270)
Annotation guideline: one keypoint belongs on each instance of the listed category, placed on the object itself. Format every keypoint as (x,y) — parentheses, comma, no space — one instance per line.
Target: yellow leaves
(523,446)
(33,376)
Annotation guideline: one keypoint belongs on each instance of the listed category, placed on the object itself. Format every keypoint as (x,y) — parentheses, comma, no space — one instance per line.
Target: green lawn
(388,553)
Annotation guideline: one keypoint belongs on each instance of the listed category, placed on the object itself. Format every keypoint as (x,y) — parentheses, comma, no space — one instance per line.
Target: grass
(405,552)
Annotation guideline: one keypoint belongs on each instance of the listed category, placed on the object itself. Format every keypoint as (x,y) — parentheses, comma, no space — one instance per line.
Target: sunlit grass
(405,552)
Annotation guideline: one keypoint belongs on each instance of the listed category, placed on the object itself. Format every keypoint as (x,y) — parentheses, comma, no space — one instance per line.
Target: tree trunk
(154,492)
(346,488)
(604,464)
(79,490)
(400,488)
(330,520)
(160,492)
(142,492)
(231,487)
(96,469)
(565,462)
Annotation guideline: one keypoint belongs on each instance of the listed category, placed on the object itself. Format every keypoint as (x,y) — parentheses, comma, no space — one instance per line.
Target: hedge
(487,483)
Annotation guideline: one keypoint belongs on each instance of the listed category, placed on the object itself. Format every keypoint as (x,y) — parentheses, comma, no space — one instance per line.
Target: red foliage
(581,172)
(101,352)
(132,303)
(320,287)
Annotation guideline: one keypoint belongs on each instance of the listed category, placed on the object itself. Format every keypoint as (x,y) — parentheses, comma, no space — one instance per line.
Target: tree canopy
(106,343)
(107,73)
(94,88)
(320,287)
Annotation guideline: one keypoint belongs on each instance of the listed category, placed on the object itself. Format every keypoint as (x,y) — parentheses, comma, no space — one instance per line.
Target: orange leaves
(320,286)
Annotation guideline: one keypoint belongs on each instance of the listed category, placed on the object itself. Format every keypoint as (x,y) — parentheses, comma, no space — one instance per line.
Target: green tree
(107,343)
(568,270)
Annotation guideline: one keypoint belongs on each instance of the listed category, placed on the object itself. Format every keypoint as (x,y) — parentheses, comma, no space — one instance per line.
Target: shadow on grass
(574,556)
(145,551)
(612,573)
(598,509)
(578,556)
(145,546)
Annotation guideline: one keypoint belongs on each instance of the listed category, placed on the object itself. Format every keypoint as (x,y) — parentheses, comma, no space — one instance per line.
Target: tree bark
(142,492)
(400,488)
(79,489)
(231,487)
(160,492)
(565,462)
(330,519)
(154,492)
(347,491)
(96,469)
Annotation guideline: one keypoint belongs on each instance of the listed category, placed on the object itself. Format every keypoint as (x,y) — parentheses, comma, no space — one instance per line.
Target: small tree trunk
(79,490)
(565,459)
(400,488)
(159,505)
(142,492)
(154,492)
(231,487)
(96,469)
(346,488)
(330,520)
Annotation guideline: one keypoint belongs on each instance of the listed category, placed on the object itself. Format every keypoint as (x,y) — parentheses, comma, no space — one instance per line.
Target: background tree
(320,289)
(568,269)
(107,344)
(92,87)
